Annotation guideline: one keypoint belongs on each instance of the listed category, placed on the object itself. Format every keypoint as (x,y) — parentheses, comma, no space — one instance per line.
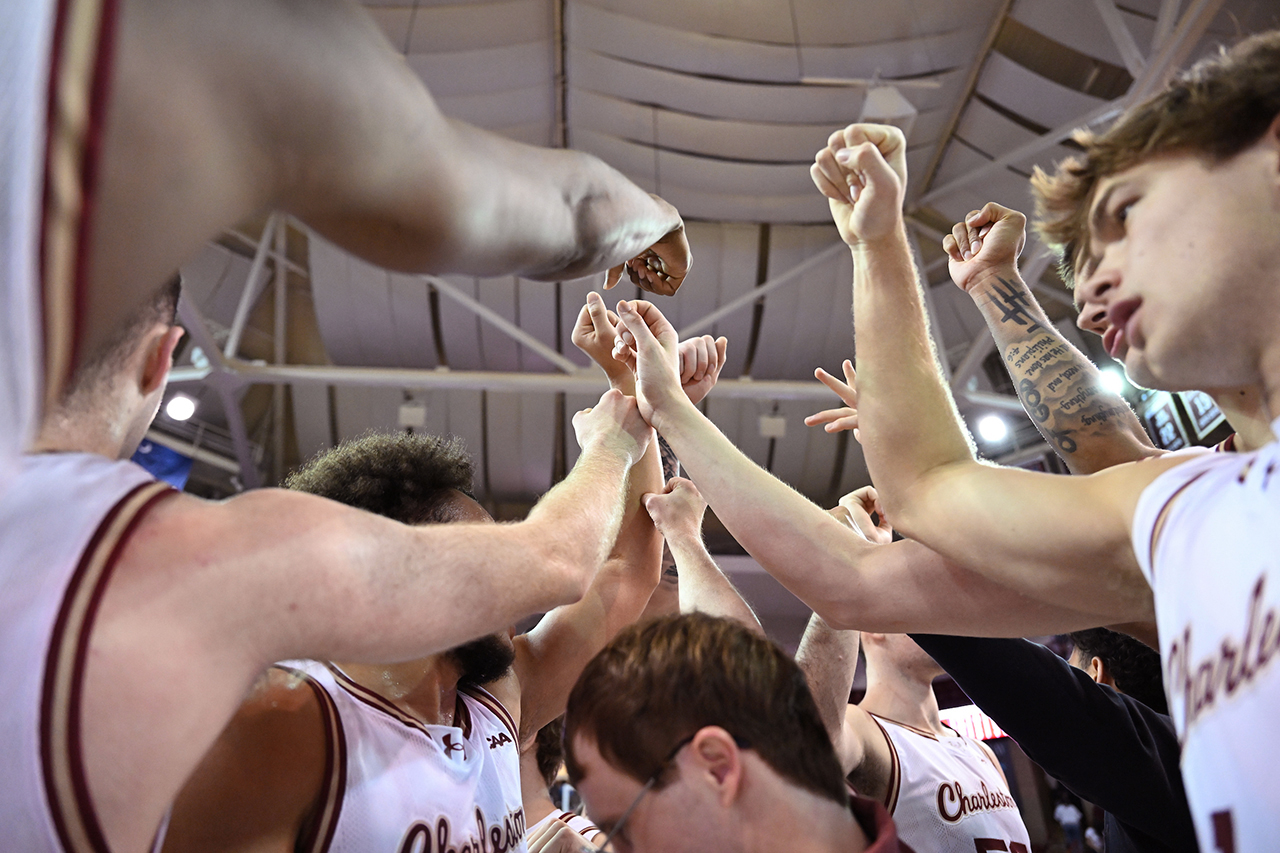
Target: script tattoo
(1015,305)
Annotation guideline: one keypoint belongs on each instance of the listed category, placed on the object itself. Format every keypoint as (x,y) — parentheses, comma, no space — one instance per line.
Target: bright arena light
(180,407)
(1113,381)
(993,428)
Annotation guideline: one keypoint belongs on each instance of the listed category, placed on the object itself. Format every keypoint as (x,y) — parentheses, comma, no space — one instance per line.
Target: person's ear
(155,371)
(716,758)
(1100,672)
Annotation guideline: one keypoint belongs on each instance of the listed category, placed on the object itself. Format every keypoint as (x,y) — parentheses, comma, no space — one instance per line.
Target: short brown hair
(660,682)
(111,357)
(1215,110)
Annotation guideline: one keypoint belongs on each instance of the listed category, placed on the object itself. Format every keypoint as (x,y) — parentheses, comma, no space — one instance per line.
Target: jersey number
(990,845)
(1224,832)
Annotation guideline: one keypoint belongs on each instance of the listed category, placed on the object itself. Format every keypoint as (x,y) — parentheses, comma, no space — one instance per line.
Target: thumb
(639,329)
(877,175)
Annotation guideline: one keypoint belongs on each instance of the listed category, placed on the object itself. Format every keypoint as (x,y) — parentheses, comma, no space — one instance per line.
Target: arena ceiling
(718,107)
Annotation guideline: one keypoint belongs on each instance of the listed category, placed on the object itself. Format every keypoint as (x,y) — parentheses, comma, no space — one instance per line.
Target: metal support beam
(973,358)
(764,289)
(279,333)
(996,401)
(486,313)
(197,453)
(1120,34)
(223,377)
(1166,20)
(252,288)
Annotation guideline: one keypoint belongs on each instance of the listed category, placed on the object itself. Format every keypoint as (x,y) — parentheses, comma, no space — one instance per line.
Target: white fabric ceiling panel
(749,20)
(842,22)
(725,138)
(358,410)
(1078,24)
(929,125)
(460,328)
(958,161)
(521,433)
(910,57)
(989,131)
(214,282)
(724,269)
(694,204)
(502,109)
(959,320)
(464,26)
(536,310)
(354,309)
(480,72)
(499,351)
(412,338)
(310,419)
(643,41)
(710,97)
(808,322)
(1028,94)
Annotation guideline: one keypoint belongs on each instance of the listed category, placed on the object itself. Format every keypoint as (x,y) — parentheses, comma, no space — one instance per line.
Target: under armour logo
(450,747)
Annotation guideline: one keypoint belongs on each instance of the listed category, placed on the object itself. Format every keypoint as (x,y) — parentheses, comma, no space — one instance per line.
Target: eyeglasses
(652,781)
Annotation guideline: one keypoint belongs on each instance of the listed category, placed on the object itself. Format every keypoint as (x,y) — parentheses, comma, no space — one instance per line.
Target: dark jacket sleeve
(1108,748)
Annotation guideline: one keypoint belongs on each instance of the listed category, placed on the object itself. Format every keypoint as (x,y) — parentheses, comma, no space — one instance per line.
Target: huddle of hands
(652,374)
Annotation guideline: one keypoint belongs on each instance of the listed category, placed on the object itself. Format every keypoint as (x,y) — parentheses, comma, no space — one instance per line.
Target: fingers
(843,390)
(831,180)
(722,349)
(695,359)
(613,276)
(597,313)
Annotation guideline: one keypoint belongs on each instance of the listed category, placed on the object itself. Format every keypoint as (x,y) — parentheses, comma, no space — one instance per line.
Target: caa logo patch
(498,740)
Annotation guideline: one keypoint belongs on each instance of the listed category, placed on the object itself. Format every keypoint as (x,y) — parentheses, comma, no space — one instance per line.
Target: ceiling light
(180,407)
(1112,380)
(993,429)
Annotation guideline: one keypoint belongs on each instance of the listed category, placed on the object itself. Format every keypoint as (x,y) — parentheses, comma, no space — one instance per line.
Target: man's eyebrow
(1099,207)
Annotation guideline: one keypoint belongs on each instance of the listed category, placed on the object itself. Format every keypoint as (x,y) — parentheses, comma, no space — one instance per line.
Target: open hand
(863,174)
(845,417)
(986,242)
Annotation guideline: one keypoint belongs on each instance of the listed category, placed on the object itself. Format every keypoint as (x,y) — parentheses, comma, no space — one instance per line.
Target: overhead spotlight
(180,407)
(993,429)
(1113,380)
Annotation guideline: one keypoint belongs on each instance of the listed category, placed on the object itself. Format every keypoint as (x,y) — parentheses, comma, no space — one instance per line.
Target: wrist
(672,412)
(985,281)
(893,241)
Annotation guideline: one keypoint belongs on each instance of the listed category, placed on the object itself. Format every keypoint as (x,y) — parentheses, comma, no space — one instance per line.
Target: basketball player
(137,130)
(137,618)
(551,829)
(724,748)
(944,791)
(394,754)
(1200,532)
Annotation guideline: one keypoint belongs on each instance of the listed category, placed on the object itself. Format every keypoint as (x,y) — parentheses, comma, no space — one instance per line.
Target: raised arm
(1090,427)
(308,109)
(703,587)
(1062,539)
(829,566)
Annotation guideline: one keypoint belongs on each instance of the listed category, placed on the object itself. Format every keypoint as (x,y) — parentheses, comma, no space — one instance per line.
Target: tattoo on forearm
(1014,305)
(670,464)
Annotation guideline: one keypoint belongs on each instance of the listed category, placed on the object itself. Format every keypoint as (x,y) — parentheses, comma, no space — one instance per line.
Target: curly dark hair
(404,477)
(1134,665)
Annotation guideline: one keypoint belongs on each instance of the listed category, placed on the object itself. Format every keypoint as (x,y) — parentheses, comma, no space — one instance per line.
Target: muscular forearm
(908,421)
(704,588)
(828,658)
(1090,427)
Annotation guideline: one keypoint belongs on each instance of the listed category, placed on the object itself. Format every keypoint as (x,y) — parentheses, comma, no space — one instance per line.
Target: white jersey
(1215,573)
(63,521)
(947,794)
(53,97)
(399,786)
(579,824)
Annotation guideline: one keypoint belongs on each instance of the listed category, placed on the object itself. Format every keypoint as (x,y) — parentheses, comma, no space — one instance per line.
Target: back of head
(1133,665)
(1215,109)
(98,368)
(408,478)
(662,681)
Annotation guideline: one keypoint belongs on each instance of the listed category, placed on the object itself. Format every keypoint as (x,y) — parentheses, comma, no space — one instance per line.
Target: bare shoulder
(260,780)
